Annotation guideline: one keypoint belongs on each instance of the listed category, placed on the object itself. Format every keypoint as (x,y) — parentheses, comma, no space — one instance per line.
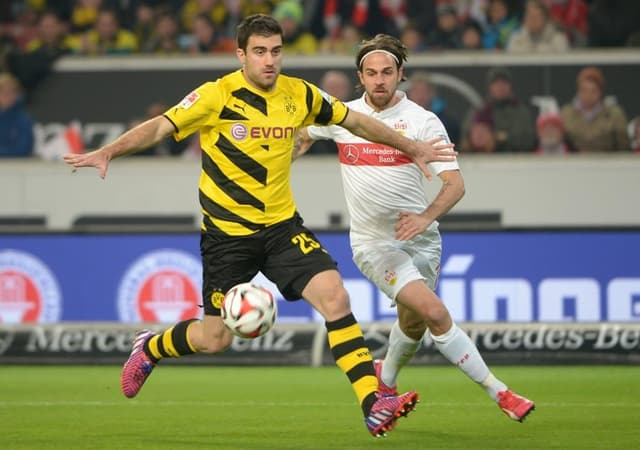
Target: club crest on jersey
(289,105)
(216,299)
(189,100)
(239,131)
(391,277)
(401,125)
(162,286)
(29,291)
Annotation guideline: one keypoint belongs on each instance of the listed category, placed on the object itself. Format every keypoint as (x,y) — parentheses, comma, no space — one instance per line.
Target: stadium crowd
(34,33)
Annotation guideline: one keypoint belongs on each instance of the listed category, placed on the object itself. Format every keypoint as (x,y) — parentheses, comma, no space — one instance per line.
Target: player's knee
(336,301)
(434,314)
(414,327)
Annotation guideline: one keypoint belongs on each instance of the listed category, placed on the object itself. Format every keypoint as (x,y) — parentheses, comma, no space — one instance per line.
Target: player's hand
(434,150)
(97,158)
(409,225)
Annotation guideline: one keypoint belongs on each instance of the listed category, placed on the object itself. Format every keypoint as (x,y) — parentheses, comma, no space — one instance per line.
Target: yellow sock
(171,343)
(353,357)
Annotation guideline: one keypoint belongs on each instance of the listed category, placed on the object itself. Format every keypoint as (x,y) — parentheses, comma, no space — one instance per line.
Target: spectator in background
(33,64)
(16,125)
(249,7)
(538,33)
(165,37)
(551,136)
(22,27)
(338,84)
(369,16)
(592,125)
(470,9)
(205,38)
(297,40)
(215,9)
(345,43)
(422,14)
(570,16)
(53,35)
(446,34)
(106,38)
(420,89)
(480,136)
(499,26)
(512,120)
(143,23)
(611,22)
(84,14)
(413,39)
(471,35)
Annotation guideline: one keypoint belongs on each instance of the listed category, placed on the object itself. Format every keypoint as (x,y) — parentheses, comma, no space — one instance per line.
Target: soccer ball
(248,310)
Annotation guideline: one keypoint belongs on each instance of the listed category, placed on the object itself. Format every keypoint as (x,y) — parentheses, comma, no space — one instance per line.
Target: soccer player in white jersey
(394,229)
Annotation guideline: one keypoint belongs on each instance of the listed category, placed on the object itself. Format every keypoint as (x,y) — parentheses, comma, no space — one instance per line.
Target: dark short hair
(260,24)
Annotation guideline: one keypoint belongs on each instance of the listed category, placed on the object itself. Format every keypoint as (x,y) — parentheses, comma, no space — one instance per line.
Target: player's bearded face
(262,61)
(380,77)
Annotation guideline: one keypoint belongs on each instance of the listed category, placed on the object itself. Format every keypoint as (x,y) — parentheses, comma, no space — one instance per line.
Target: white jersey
(380,181)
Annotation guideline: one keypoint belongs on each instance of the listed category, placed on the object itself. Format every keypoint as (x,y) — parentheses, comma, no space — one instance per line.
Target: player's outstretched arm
(138,138)
(422,153)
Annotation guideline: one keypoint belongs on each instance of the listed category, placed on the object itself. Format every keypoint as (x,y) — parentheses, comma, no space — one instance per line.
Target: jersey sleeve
(199,108)
(434,128)
(318,133)
(323,108)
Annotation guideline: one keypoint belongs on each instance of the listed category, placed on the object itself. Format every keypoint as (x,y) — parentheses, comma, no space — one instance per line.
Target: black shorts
(288,254)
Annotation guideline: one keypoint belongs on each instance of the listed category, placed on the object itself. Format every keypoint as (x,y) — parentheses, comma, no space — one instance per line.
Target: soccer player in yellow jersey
(248,121)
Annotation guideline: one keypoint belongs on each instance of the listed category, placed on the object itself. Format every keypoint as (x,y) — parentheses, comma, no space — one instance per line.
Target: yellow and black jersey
(247,138)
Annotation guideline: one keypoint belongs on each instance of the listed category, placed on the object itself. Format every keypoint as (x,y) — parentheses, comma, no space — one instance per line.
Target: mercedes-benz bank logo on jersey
(162,286)
(29,291)
(351,153)
(552,299)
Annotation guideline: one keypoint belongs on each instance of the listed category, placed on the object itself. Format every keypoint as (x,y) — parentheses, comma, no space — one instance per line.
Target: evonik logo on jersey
(239,132)
(162,286)
(29,291)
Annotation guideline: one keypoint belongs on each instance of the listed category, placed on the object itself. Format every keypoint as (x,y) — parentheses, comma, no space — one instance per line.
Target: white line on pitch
(169,403)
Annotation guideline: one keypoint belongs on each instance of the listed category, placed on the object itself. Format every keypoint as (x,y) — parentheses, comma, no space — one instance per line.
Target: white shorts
(391,265)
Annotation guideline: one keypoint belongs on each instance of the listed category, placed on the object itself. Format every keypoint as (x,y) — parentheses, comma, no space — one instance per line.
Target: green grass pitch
(208,407)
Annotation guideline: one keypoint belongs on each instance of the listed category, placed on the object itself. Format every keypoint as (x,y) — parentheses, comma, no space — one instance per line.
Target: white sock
(459,350)
(401,350)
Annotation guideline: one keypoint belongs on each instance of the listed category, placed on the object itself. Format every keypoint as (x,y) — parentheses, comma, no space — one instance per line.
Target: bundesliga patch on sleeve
(189,100)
